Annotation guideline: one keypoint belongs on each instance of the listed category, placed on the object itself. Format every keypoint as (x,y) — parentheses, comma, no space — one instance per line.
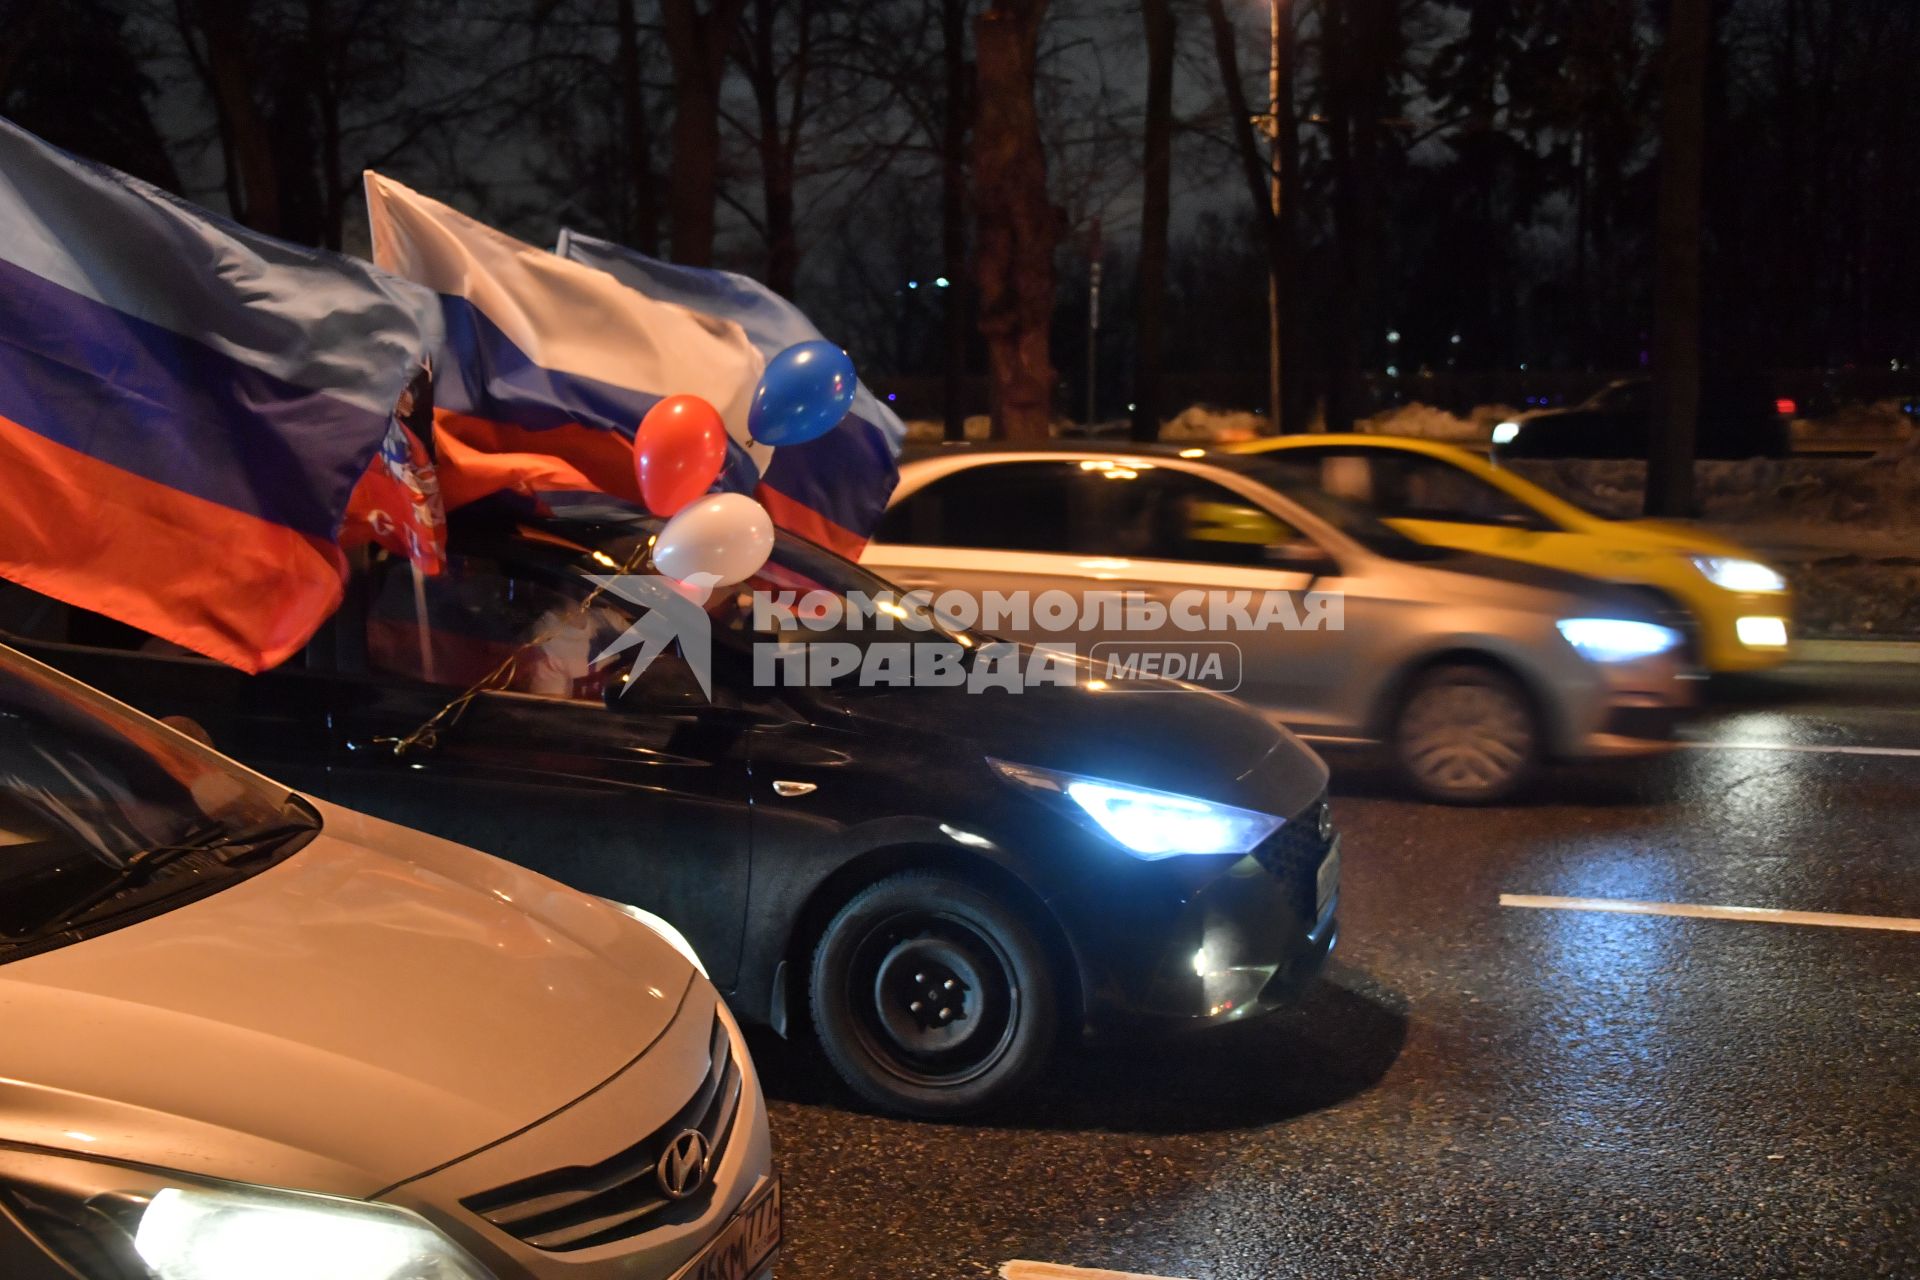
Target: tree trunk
(1155,209)
(1018,226)
(640,224)
(228,70)
(1676,296)
(955,114)
(697,46)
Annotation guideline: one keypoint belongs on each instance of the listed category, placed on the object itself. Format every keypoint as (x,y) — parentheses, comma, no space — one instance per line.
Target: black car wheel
(932,996)
(1466,734)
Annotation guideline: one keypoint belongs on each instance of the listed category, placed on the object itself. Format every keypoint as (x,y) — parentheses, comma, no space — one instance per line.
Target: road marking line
(1758,915)
(1806,748)
(1054,1271)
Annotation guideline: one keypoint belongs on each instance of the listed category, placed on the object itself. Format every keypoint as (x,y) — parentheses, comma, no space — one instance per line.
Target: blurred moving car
(1474,670)
(946,880)
(1740,417)
(248,1035)
(1734,608)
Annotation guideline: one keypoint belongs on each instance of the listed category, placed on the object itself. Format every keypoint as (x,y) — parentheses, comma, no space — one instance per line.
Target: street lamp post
(1277,416)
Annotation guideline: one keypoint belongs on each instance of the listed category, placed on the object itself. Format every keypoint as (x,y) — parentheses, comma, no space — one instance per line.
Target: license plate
(1327,881)
(744,1245)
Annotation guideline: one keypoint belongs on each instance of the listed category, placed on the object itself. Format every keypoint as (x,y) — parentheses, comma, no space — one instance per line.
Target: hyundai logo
(683,1165)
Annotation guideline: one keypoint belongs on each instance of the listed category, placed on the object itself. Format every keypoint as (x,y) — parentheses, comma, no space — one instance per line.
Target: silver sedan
(1215,568)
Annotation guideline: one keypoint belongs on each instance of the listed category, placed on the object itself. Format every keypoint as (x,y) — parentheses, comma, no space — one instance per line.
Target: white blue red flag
(832,489)
(185,406)
(546,367)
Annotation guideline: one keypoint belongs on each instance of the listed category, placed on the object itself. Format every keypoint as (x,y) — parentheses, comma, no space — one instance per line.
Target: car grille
(581,1206)
(1293,854)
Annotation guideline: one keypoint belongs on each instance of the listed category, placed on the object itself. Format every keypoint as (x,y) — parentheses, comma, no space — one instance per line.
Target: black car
(945,879)
(1740,417)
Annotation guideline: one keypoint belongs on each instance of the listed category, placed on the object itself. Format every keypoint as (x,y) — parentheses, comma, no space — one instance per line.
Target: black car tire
(934,997)
(1466,733)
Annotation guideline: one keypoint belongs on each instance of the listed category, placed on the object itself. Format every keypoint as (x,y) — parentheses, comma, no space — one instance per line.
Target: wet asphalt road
(1485,1091)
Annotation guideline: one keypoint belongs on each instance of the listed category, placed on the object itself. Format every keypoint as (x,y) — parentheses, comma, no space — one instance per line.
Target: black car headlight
(1148,824)
(112,1222)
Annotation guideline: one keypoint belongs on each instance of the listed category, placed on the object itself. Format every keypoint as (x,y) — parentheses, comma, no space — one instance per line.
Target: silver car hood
(379,1004)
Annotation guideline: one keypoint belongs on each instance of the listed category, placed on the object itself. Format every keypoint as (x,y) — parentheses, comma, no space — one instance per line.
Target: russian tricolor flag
(833,489)
(546,366)
(185,406)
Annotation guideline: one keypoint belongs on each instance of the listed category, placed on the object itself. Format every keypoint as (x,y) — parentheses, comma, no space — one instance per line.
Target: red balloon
(678,453)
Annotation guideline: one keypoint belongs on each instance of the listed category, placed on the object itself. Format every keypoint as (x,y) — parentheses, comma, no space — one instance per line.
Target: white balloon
(721,539)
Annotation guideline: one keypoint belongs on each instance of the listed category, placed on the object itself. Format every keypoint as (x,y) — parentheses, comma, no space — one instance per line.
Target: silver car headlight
(1617,639)
(1731,574)
(1146,823)
(156,1226)
(1506,432)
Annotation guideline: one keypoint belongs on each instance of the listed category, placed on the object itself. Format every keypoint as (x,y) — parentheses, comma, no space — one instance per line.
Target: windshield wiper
(227,848)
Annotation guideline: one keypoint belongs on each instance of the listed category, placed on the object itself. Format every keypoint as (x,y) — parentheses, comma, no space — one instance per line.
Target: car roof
(1196,451)
(1353,440)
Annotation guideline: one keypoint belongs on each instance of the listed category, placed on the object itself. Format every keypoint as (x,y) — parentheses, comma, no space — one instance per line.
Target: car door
(641,798)
(275,722)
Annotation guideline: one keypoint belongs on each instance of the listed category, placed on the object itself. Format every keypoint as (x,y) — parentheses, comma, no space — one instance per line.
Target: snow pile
(1424,422)
(1206,424)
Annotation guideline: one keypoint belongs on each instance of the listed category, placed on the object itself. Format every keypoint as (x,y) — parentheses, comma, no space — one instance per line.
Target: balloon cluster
(722,538)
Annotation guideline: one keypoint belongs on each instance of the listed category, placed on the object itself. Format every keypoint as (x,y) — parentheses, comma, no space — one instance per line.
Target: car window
(1002,506)
(1161,514)
(92,794)
(477,618)
(1397,485)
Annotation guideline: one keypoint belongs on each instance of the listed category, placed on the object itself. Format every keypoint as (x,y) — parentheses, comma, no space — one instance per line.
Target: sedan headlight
(1506,432)
(1617,639)
(1739,575)
(149,1225)
(1148,824)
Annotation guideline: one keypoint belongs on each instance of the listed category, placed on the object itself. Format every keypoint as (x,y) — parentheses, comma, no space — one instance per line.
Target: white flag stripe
(563,316)
(312,317)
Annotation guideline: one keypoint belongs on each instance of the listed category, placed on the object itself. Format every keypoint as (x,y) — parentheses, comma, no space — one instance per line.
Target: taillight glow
(1786,406)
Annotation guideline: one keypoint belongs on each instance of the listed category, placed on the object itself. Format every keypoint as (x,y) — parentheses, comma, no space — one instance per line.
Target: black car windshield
(94,799)
(1350,518)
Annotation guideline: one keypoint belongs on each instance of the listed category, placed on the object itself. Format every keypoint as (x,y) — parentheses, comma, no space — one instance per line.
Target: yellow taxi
(1736,609)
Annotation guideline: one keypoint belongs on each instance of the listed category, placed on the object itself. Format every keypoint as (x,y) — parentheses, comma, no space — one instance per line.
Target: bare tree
(956,114)
(698,43)
(1017,224)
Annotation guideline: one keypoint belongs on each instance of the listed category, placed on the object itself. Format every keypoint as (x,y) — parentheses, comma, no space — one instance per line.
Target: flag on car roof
(546,367)
(833,489)
(185,406)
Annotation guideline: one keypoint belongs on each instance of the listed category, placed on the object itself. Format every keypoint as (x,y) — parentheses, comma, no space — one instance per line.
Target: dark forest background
(1470,188)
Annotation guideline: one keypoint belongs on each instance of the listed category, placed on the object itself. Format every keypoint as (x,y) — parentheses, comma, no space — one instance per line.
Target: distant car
(1474,670)
(249,1035)
(1740,417)
(946,881)
(1735,609)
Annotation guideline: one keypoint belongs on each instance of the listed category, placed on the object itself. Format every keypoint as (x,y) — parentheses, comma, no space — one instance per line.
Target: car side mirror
(1300,556)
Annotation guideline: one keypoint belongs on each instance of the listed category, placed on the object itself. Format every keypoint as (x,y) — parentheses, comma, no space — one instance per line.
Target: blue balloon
(805,392)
